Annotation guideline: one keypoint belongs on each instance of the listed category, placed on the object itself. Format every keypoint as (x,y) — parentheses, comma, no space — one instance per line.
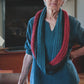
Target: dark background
(17,14)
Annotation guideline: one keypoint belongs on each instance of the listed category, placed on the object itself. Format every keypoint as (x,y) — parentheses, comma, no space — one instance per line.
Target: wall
(80,11)
(69,6)
(0,17)
(2,20)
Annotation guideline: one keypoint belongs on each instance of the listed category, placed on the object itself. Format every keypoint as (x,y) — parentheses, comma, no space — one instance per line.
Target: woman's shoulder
(31,20)
(30,24)
(74,23)
(73,20)
(77,32)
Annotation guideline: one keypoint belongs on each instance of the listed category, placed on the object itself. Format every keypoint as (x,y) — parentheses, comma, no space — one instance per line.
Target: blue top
(67,74)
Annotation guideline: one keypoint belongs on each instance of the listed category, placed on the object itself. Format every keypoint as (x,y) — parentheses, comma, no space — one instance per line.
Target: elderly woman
(50,37)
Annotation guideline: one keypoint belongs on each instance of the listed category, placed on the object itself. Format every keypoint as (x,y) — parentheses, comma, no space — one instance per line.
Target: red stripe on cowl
(34,32)
(62,53)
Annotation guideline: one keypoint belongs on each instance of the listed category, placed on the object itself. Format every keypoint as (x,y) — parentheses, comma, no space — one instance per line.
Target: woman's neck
(52,14)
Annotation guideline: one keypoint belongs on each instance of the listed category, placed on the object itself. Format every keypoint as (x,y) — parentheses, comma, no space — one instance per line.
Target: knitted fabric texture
(62,53)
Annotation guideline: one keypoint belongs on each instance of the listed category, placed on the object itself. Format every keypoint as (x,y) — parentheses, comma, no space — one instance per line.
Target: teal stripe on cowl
(53,39)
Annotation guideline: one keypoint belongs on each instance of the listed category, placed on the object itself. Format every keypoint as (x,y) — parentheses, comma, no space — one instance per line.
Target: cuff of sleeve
(29,52)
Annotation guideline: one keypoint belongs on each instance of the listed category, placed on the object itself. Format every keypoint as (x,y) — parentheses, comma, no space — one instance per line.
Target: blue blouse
(67,74)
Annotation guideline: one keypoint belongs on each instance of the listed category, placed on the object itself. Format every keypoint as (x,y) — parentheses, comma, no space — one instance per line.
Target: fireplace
(17,14)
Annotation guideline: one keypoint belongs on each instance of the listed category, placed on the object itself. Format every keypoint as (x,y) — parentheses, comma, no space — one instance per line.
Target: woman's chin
(54,8)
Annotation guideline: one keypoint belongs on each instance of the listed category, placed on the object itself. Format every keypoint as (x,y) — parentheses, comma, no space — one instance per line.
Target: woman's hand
(77,53)
(72,55)
(25,68)
(20,81)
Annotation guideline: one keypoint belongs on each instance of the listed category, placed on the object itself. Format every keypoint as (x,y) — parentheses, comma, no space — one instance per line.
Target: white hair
(45,3)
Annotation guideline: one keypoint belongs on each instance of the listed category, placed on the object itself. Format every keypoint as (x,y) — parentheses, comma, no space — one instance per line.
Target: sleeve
(78,32)
(27,45)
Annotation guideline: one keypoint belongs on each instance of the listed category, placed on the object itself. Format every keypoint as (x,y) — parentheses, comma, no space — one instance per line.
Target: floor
(10,78)
(81,75)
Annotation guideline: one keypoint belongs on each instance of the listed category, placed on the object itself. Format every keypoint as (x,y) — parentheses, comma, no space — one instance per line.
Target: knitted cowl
(38,46)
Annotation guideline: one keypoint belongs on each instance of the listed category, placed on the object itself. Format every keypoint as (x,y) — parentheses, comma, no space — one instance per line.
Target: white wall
(80,11)
(2,27)
(69,6)
(0,17)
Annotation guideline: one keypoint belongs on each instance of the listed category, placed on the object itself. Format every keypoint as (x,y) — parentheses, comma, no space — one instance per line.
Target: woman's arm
(77,53)
(25,68)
